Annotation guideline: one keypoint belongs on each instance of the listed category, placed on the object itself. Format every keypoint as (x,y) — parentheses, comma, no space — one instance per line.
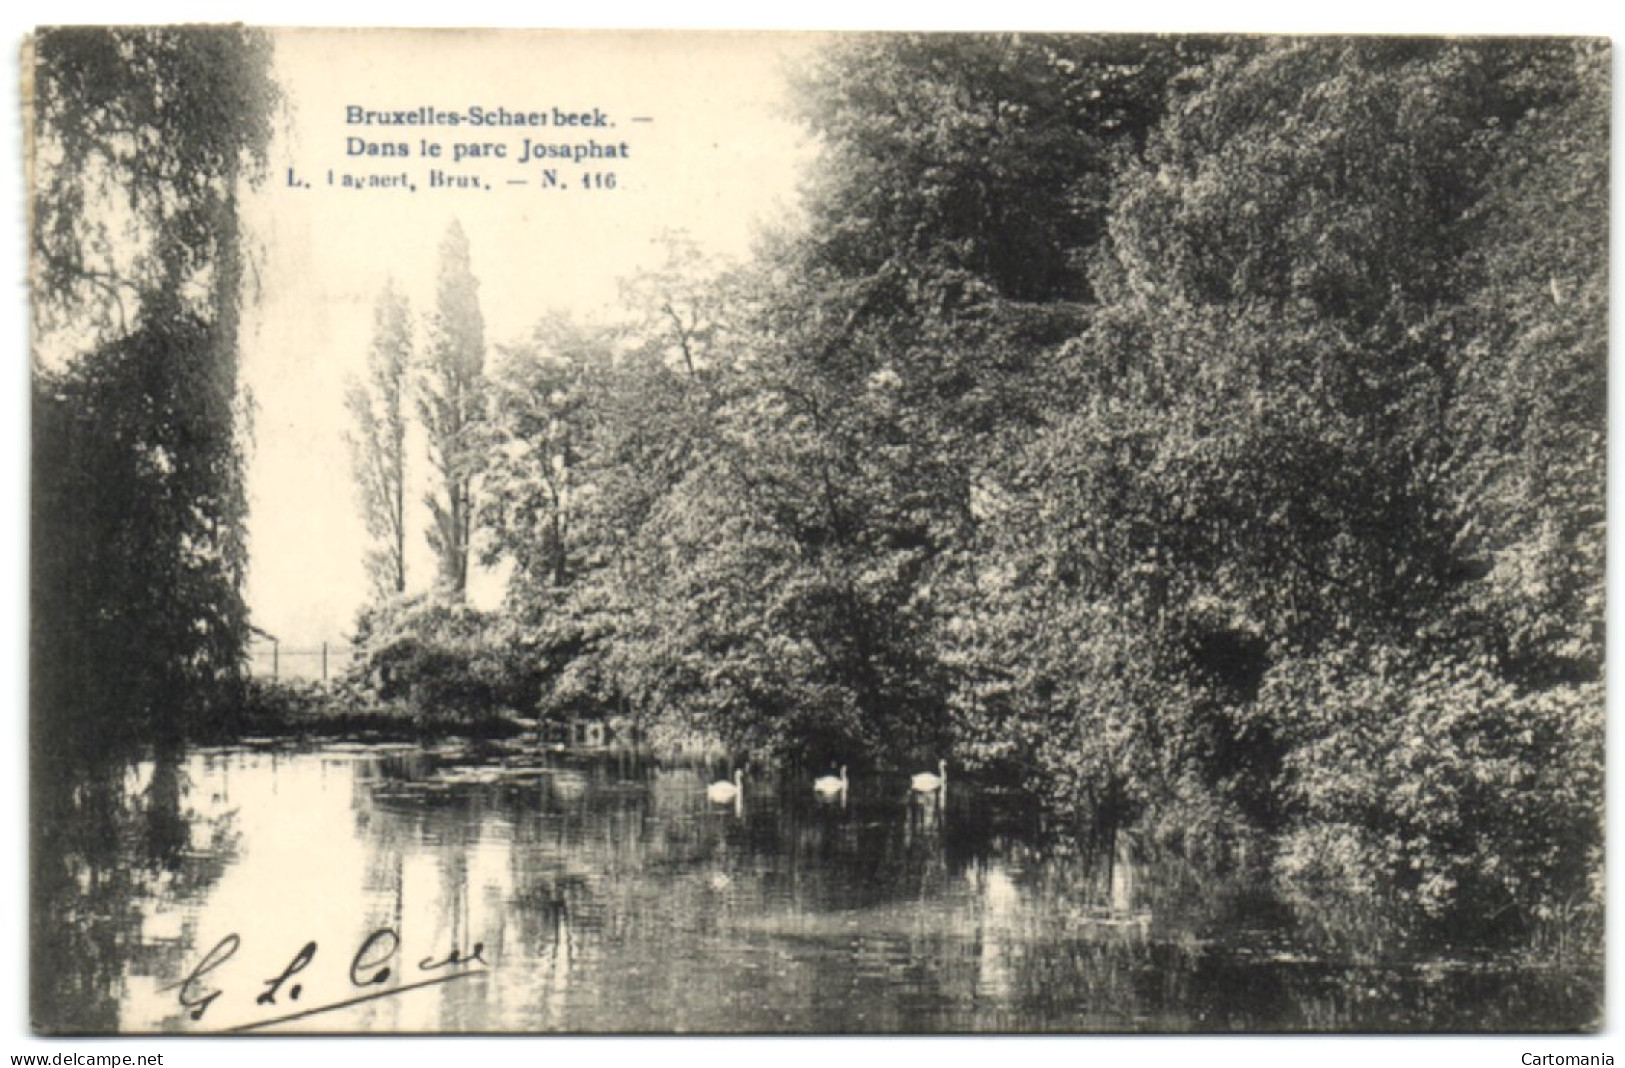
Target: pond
(502,888)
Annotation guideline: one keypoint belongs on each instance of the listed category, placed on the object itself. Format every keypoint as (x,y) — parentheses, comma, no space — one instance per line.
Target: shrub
(1472,806)
(443,660)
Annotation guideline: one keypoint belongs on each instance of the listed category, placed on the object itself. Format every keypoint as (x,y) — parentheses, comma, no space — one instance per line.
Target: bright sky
(717,155)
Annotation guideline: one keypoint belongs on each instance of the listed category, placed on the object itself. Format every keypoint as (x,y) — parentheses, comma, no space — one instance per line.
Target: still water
(496,888)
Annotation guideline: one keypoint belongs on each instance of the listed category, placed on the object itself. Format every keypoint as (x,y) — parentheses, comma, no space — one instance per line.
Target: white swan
(831,784)
(724,790)
(925,782)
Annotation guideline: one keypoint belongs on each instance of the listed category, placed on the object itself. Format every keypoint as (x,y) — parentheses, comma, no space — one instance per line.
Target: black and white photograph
(888,533)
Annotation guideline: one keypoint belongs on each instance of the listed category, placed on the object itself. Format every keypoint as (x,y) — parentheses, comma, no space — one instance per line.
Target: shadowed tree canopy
(978,158)
(142,139)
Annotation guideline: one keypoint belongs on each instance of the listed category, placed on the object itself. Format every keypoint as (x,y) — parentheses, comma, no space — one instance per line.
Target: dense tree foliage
(141,141)
(1204,432)
(141,138)
(1253,564)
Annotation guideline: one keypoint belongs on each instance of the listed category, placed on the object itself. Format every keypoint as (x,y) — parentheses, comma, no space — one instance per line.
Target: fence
(271,659)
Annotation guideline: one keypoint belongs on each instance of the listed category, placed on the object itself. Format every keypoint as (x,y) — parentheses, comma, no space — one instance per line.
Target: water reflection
(116,847)
(607,893)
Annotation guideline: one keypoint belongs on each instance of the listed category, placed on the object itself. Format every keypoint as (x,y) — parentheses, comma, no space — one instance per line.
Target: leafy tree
(1526,470)
(954,160)
(141,140)
(656,389)
(1276,447)
(962,183)
(545,399)
(378,441)
(1203,431)
(451,405)
(140,136)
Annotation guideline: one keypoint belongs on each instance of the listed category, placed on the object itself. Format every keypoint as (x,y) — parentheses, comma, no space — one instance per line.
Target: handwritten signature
(371,968)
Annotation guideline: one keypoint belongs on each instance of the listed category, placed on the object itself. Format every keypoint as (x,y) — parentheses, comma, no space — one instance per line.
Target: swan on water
(831,784)
(723,790)
(925,782)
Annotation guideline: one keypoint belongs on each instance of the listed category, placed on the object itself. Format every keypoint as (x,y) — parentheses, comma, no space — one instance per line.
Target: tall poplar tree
(450,404)
(378,440)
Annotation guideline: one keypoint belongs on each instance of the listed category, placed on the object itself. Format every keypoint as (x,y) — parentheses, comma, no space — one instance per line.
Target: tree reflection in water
(116,838)
(608,894)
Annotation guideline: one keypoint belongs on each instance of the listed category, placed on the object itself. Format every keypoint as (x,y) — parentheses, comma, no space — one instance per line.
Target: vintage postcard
(815,533)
